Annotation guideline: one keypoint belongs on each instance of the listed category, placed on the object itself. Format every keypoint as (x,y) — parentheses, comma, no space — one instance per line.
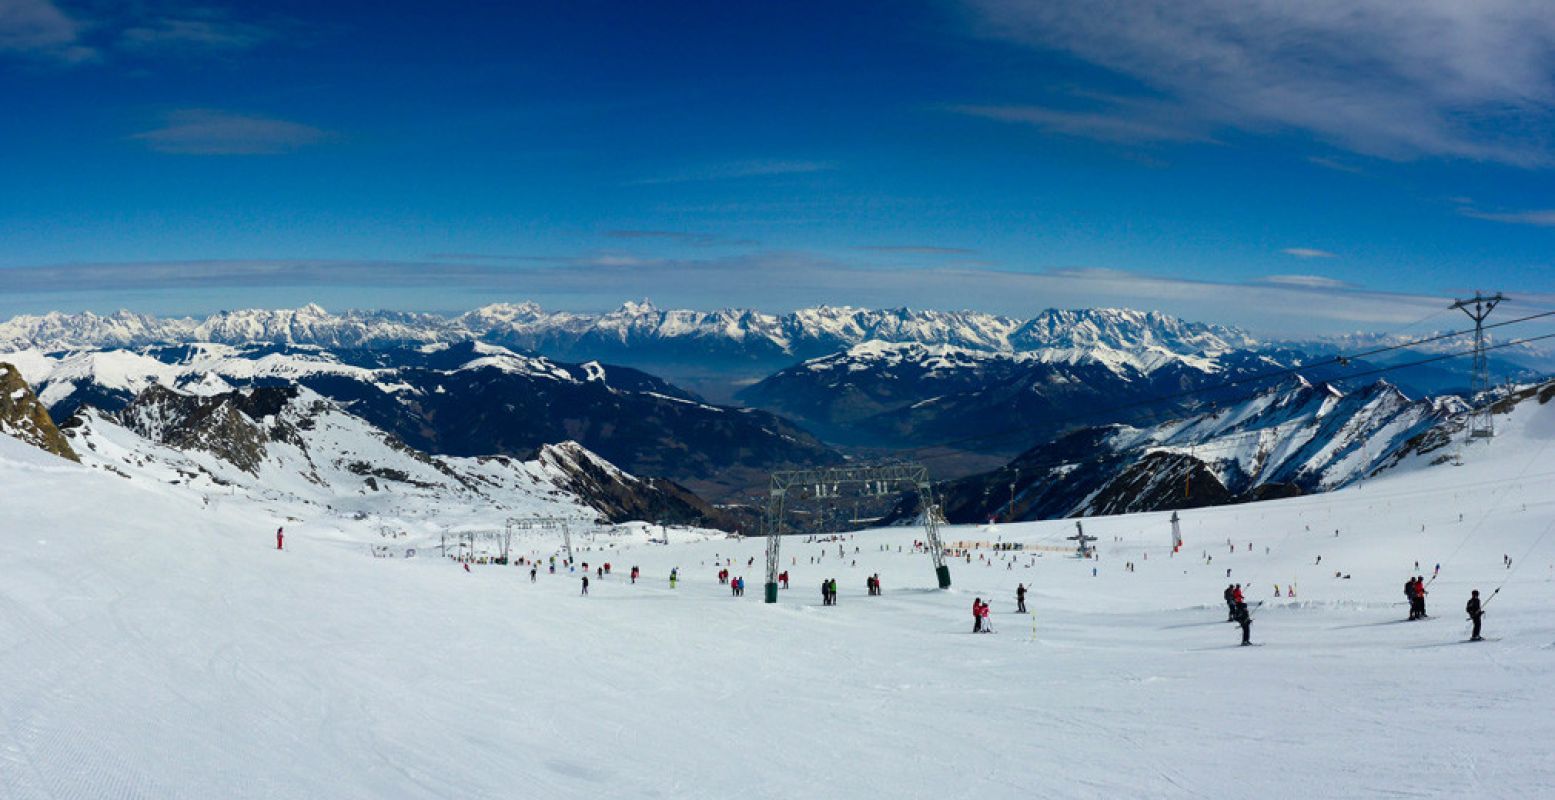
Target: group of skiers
(829,592)
(980,612)
(1414,593)
(872,583)
(1236,608)
(737,586)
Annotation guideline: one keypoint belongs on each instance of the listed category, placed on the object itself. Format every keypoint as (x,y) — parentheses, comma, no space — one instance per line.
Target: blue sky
(1327,167)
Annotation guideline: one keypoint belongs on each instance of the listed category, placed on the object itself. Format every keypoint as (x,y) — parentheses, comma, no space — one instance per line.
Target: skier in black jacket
(1244,619)
(1475,614)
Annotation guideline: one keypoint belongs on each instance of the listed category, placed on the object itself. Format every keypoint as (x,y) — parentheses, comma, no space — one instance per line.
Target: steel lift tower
(1481,423)
(827,482)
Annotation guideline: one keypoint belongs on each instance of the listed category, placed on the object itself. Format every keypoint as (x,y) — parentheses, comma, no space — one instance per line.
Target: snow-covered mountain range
(895,395)
(707,350)
(799,334)
(290,447)
(1291,438)
(469,399)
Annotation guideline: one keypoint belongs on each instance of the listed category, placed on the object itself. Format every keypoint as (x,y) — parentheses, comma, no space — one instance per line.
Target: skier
(634,574)
(280,538)
(1475,615)
(987,626)
(1236,594)
(977,615)
(585,583)
(825,593)
(1020,599)
(783,578)
(1420,595)
(533,570)
(1230,602)
(1409,595)
(878,590)
(1244,619)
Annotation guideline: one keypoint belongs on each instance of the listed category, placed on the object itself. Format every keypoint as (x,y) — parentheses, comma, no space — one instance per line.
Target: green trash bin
(944,576)
(772,592)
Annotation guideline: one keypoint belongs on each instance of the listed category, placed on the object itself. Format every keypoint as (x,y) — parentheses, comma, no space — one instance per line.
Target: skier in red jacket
(280,538)
(1236,594)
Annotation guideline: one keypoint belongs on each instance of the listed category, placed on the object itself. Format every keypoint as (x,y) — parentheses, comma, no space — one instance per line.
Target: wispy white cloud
(108,32)
(1544,218)
(1437,78)
(40,29)
(1129,123)
(692,238)
(1305,281)
(1335,164)
(917,249)
(197,30)
(731,170)
(212,132)
(1307,252)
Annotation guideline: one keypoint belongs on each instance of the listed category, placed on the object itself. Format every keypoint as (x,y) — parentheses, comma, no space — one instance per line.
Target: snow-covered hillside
(291,448)
(154,643)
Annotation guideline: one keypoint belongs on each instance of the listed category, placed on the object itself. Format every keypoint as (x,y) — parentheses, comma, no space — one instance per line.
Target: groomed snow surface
(156,645)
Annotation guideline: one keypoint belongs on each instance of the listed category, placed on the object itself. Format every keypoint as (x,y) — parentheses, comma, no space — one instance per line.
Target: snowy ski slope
(156,645)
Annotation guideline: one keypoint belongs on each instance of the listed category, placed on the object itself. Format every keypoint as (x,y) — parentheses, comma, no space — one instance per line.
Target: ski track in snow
(151,646)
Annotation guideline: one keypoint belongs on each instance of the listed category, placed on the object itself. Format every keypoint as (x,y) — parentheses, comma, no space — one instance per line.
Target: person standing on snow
(1020,599)
(280,538)
(1475,615)
(1420,595)
(533,570)
(977,615)
(585,583)
(1230,602)
(1244,619)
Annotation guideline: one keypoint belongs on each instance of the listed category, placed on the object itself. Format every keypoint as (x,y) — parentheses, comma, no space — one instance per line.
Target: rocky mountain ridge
(24,417)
